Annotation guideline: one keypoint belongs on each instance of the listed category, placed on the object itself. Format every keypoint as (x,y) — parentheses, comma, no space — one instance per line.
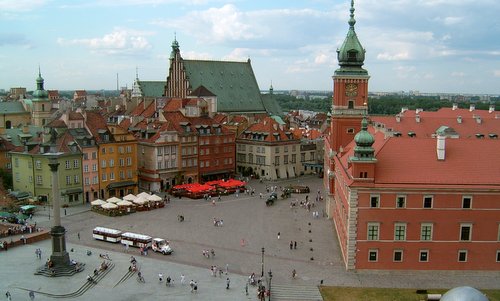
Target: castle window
(352,55)
(398,256)
(350,104)
(466,202)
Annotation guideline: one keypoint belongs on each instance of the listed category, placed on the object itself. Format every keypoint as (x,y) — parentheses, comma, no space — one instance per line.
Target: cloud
(13,39)
(120,41)
(20,5)
(449,21)
(458,74)
(496,73)
(267,29)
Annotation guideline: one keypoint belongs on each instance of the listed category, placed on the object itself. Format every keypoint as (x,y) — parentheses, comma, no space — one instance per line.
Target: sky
(447,46)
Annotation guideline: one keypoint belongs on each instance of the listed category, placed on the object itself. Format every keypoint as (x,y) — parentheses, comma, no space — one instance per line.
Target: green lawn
(331,293)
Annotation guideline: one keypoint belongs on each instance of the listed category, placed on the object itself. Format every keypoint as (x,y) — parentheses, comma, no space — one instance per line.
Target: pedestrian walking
(160,277)
(291,244)
(294,274)
(246,289)
(32,295)
(64,211)
(279,235)
(78,234)
(191,284)
(183,279)
(295,244)
(227,283)
(8,296)
(227,268)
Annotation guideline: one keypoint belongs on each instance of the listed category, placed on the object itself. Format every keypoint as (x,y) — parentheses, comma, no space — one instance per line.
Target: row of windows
(427,201)
(111,150)
(423,256)
(170,149)
(206,141)
(75,179)
(216,162)
(400,229)
(38,164)
(121,163)
(172,163)
(111,176)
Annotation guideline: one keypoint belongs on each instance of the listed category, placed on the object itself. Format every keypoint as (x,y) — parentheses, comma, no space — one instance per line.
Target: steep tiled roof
(271,105)
(11,107)
(269,129)
(202,91)
(152,88)
(234,84)
(95,122)
(75,116)
(57,123)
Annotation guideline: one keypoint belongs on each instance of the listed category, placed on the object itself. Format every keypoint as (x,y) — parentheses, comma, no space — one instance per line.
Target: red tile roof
(95,122)
(270,127)
(472,123)
(404,161)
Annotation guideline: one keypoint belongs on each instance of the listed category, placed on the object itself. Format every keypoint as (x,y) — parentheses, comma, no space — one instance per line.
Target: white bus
(136,240)
(107,234)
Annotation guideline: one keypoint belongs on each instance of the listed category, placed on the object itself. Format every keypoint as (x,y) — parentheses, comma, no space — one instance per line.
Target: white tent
(124,203)
(109,206)
(113,200)
(97,202)
(144,195)
(140,201)
(154,198)
(129,197)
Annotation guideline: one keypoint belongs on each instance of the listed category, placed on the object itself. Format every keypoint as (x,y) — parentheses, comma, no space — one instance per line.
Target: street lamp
(270,279)
(262,271)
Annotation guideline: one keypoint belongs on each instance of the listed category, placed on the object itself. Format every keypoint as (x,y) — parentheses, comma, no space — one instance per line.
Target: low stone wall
(30,238)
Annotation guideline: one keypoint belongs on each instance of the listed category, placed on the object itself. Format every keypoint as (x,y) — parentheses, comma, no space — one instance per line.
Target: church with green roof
(231,86)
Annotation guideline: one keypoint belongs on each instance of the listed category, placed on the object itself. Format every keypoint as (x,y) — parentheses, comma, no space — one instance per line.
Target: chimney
(417,118)
(472,107)
(440,147)
(455,106)
(404,109)
(492,109)
(398,118)
(478,119)
(459,119)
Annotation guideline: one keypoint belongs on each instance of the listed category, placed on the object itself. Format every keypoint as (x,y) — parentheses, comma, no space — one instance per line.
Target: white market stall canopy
(143,194)
(129,197)
(109,206)
(154,198)
(113,200)
(97,202)
(124,203)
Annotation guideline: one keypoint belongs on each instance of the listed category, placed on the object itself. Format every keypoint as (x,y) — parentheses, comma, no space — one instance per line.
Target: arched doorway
(8,124)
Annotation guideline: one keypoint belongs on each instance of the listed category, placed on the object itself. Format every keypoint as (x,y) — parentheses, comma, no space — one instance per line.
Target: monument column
(60,256)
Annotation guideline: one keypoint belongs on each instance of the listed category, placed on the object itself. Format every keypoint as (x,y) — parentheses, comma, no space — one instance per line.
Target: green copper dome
(364,138)
(351,55)
(364,141)
(40,93)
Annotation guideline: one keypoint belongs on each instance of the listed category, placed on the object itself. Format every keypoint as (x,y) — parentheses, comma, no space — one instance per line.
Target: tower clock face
(351,89)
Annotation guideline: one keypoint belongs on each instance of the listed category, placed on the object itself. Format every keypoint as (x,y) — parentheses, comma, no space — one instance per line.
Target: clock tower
(350,90)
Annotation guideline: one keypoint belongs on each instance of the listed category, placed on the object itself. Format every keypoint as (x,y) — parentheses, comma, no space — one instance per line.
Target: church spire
(175,47)
(40,93)
(351,55)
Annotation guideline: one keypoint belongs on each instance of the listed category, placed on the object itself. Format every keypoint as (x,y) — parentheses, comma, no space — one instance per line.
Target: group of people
(218,222)
(207,253)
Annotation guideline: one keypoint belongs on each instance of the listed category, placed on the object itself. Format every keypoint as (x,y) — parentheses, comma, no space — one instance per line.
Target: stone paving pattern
(245,218)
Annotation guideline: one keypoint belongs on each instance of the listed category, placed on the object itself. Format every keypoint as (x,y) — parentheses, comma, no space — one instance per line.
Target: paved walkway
(248,227)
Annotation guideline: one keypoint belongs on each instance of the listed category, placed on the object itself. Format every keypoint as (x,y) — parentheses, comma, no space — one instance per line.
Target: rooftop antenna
(117,86)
